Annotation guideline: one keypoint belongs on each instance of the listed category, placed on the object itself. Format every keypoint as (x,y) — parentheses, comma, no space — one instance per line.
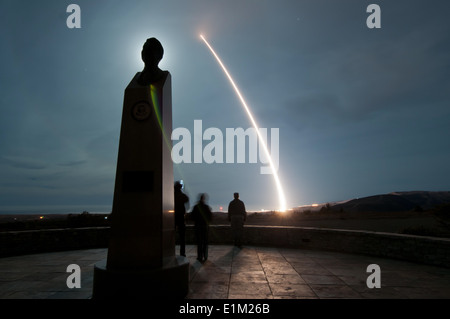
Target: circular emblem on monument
(141,111)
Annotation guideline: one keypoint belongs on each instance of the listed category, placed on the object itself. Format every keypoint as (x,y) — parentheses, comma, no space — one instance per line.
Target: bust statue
(152,53)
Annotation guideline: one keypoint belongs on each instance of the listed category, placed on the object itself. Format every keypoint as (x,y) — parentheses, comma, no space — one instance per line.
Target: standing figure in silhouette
(181,201)
(202,215)
(237,215)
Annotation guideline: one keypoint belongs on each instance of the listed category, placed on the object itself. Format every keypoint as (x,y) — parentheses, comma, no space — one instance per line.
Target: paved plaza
(233,273)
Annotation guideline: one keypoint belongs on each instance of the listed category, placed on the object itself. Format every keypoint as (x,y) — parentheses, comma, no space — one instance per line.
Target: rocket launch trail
(281,196)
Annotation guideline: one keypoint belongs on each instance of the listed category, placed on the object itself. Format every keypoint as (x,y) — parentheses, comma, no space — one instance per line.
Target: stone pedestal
(141,259)
(168,281)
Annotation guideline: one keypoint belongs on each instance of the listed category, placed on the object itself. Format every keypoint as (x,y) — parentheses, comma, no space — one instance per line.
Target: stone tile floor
(233,273)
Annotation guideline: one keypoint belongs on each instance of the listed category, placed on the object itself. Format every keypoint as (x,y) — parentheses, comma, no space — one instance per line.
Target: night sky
(360,111)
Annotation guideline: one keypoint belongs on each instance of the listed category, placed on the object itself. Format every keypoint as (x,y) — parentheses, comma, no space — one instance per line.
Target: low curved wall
(48,240)
(428,250)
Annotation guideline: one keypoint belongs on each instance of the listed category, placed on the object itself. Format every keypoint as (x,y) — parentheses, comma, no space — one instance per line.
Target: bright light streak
(282,198)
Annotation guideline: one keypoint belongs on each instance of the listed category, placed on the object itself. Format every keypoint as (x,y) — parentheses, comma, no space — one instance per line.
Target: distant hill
(395,202)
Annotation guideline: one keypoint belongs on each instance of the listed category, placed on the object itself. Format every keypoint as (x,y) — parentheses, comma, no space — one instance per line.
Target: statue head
(152,52)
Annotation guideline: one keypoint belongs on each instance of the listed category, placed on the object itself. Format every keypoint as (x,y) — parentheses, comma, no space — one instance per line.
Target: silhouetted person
(151,54)
(181,201)
(237,216)
(202,215)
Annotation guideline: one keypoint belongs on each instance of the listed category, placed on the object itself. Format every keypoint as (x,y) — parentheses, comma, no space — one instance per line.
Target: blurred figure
(237,215)
(202,215)
(181,201)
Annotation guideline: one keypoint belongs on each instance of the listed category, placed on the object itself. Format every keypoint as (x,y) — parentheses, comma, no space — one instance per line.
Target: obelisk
(141,260)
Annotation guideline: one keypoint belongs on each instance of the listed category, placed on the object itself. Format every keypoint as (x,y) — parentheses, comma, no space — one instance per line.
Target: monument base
(169,281)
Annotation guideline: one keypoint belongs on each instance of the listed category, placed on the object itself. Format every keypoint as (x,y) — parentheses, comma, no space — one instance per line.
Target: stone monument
(141,261)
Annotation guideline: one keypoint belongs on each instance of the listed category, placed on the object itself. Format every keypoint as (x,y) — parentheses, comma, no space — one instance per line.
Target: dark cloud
(73,163)
(25,163)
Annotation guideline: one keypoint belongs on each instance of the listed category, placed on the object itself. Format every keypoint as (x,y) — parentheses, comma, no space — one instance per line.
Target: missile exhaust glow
(281,196)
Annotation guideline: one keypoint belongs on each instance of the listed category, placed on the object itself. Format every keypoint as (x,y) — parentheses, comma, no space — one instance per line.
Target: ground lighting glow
(281,196)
